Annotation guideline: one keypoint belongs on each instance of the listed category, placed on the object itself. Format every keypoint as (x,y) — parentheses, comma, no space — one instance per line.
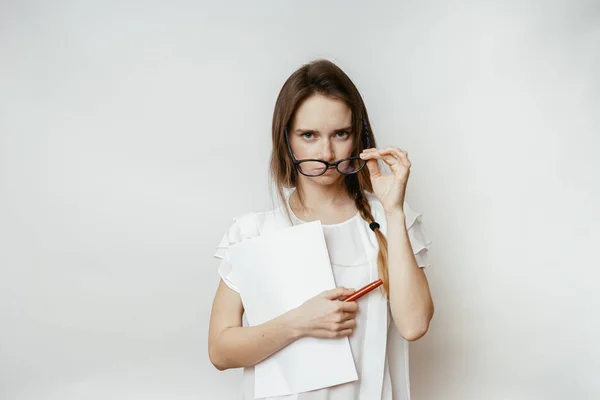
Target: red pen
(364,290)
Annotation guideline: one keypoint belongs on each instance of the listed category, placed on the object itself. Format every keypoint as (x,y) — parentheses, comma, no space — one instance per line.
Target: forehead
(321,113)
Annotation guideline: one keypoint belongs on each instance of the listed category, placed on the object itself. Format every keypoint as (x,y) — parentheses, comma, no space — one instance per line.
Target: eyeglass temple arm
(287,141)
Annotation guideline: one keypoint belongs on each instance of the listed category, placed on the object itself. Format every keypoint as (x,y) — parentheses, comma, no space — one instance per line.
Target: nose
(326,152)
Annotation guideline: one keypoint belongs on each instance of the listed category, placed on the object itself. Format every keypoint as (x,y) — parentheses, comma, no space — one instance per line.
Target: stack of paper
(276,273)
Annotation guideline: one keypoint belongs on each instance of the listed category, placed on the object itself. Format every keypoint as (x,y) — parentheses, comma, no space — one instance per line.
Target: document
(276,273)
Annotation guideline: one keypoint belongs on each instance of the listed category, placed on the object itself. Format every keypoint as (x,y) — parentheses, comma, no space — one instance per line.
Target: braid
(363,206)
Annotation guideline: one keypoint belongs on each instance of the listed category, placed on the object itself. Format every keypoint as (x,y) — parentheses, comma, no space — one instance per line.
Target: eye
(308,135)
(342,134)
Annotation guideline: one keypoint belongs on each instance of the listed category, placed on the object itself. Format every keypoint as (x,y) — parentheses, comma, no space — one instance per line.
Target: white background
(131,132)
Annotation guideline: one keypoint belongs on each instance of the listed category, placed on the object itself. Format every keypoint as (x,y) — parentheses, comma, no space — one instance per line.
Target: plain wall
(132,132)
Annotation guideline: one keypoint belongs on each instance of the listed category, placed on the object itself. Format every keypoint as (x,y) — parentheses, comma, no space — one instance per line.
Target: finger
(400,155)
(396,164)
(383,154)
(391,156)
(324,333)
(368,154)
(394,150)
(373,168)
(390,159)
(336,293)
(349,306)
(348,324)
(346,332)
(344,316)
(341,326)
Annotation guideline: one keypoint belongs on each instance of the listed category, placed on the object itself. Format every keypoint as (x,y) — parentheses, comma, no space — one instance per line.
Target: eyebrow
(300,130)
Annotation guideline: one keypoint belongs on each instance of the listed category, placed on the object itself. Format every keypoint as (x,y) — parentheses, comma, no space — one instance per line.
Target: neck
(318,198)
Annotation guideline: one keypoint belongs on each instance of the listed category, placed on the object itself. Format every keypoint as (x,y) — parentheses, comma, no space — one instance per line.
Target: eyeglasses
(314,167)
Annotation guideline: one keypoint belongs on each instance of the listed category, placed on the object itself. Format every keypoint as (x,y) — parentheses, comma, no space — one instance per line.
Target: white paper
(279,272)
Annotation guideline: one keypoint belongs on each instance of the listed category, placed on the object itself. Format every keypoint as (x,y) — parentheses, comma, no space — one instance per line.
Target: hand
(390,189)
(324,316)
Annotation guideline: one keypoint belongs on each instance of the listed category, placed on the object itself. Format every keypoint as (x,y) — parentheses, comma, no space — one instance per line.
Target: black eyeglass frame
(327,164)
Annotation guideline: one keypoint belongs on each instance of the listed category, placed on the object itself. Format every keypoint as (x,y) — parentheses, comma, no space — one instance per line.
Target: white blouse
(353,257)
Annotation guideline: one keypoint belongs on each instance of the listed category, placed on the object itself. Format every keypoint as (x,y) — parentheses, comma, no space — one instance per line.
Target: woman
(324,164)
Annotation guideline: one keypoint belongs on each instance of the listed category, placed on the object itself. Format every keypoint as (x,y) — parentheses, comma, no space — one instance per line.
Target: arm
(410,299)
(230,345)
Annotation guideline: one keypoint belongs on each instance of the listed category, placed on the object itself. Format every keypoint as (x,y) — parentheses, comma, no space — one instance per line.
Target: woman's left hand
(390,189)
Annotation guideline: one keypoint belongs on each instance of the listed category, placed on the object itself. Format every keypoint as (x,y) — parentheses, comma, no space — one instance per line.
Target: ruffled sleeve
(242,228)
(419,240)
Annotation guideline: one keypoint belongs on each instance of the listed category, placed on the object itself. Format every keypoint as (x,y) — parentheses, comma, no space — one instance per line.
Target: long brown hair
(325,78)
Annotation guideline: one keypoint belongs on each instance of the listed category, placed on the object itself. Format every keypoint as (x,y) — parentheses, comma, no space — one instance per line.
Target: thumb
(336,293)
(373,168)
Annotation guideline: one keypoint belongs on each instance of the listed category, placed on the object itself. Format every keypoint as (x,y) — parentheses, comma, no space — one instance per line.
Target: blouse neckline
(339,224)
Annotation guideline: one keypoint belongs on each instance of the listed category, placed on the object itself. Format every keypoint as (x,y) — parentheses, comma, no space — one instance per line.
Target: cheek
(302,149)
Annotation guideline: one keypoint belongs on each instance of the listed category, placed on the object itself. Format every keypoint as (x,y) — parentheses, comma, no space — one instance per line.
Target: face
(322,130)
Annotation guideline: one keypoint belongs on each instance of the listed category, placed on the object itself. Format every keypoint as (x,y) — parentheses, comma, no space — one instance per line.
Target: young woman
(324,164)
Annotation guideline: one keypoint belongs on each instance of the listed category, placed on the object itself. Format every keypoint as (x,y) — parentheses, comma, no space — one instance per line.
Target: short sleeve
(419,240)
(242,228)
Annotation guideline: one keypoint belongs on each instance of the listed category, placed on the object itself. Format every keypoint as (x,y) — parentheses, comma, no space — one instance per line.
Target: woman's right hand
(324,316)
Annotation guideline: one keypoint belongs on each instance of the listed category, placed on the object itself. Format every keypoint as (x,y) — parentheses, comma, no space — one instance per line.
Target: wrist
(395,213)
(290,321)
